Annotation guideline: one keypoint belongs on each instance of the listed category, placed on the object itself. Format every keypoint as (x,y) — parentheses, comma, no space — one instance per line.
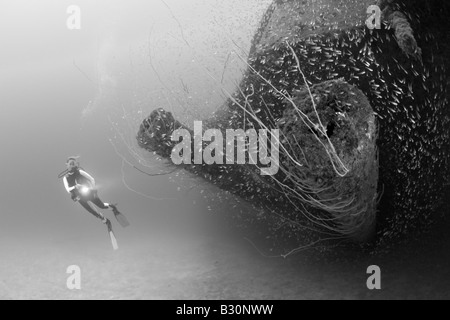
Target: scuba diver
(81,187)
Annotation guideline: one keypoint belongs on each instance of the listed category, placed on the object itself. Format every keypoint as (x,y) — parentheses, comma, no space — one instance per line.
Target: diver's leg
(99,203)
(119,216)
(104,205)
(91,210)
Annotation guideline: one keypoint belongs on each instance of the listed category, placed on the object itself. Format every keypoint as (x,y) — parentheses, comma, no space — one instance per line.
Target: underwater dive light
(85,190)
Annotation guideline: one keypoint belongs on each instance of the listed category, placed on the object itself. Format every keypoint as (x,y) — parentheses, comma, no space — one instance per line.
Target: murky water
(85,92)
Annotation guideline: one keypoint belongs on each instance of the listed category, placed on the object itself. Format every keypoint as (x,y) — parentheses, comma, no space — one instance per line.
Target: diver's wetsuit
(79,176)
(95,200)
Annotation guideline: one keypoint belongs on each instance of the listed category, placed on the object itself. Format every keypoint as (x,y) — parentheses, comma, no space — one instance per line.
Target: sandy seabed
(192,264)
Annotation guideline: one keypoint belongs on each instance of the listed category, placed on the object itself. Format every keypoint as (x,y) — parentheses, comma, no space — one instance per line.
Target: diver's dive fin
(121,219)
(119,216)
(111,235)
(113,240)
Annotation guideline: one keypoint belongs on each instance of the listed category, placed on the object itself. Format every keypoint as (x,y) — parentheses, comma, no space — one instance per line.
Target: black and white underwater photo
(226,150)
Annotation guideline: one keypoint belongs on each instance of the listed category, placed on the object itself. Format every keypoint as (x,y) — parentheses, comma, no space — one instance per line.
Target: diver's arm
(66,185)
(88,176)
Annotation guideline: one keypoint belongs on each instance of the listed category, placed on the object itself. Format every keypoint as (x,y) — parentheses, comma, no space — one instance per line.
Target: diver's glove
(74,196)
